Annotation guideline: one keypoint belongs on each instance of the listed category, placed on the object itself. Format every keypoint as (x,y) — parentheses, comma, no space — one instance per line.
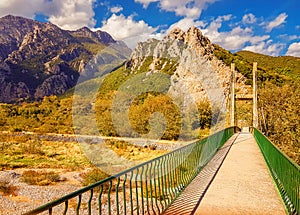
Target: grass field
(27,151)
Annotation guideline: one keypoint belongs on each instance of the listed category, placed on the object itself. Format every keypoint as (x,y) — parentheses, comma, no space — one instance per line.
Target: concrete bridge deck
(235,181)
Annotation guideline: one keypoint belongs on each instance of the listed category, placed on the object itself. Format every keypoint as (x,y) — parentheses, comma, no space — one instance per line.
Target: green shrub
(93,176)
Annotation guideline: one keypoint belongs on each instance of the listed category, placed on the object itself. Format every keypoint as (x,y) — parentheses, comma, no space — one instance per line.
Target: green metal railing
(285,172)
(149,188)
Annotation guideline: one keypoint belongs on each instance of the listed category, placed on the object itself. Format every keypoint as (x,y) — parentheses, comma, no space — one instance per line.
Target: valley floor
(23,197)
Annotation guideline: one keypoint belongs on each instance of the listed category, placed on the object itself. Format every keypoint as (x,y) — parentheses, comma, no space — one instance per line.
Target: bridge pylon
(234,97)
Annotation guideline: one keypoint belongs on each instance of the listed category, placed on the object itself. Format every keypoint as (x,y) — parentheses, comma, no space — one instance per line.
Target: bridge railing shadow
(188,202)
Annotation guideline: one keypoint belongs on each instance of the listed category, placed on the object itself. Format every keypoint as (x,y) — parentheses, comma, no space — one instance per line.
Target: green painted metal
(117,196)
(108,197)
(100,198)
(124,193)
(90,201)
(148,188)
(284,171)
(78,204)
(66,207)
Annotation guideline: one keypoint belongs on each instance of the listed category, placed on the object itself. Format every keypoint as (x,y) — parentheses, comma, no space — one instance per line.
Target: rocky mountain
(176,83)
(190,59)
(39,59)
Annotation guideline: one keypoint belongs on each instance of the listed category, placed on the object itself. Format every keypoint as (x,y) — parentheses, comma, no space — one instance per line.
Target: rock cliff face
(39,59)
(196,73)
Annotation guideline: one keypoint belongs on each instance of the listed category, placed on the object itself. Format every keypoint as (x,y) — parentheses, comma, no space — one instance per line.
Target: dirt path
(243,185)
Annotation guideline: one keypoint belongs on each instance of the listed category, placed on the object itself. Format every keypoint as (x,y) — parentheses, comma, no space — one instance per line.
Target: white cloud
(294,50)
(266,47)
(288,37)
(185,8)
(185,24)
(67,14)
(216,24)
(278,21)
(249,19)
(127,29)
(145,3)
(232,40)
(21,8)
(72,14)
(181,8)
(116,9)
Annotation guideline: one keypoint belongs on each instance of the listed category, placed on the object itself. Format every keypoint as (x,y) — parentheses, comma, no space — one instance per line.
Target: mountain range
(39,59)
(159,90)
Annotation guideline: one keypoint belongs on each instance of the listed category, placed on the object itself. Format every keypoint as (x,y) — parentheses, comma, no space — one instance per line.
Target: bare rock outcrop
(198,70)
(198,74)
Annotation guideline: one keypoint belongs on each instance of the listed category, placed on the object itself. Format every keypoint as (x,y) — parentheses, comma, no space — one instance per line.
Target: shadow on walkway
(189,200)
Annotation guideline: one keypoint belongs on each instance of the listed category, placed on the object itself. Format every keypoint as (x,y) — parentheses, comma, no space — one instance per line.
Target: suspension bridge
(229,172)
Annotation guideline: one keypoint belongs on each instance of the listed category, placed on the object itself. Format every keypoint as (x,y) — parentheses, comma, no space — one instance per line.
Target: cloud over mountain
(68,14)
(127,29)
(294,49)
(185,8)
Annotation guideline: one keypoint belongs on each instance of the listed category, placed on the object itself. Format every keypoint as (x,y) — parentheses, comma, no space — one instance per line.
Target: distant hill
(38,59)
(284,65)
(277,70)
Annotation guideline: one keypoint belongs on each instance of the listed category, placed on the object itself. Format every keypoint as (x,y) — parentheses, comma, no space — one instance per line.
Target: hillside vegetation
(277,70)
(49,116)
(279,116)
(278,104)
(54,115)
(283,65)
(145,104)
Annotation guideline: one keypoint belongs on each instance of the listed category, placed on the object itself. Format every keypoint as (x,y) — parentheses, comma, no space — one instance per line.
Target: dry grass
(40,178)
(7,189)
(26,152)
(37,157)
(133,152)
(93,176)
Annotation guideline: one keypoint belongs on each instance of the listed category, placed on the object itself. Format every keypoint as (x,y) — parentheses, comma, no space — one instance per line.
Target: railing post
(255,114)
(232,113)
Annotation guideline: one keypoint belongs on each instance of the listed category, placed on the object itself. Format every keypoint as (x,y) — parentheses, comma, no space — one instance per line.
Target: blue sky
(270,26)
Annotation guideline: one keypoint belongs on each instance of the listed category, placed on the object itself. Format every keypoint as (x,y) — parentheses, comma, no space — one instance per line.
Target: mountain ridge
(286,65)
(38,59)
